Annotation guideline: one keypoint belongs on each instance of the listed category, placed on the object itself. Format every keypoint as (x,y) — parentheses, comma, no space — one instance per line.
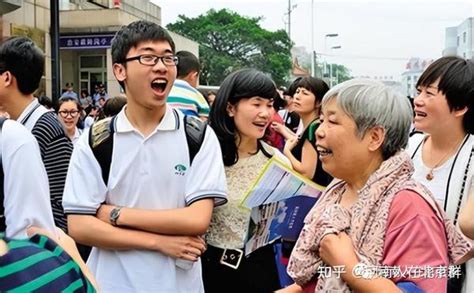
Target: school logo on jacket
(180,170)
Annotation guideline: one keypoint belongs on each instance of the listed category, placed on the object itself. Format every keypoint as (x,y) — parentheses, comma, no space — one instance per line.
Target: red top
(415,237)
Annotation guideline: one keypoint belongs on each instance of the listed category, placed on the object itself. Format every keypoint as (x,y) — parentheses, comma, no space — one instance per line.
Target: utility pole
(290,9)
(313,55)
(289,19)
(54,32)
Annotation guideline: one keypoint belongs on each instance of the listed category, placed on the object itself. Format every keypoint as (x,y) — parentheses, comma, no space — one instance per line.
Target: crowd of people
(147,188)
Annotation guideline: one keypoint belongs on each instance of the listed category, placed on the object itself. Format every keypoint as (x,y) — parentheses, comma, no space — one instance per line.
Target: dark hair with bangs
(68,99)
(293,87)
(241,84)
(315,85)
(24,60)
(456,82)
(131,35)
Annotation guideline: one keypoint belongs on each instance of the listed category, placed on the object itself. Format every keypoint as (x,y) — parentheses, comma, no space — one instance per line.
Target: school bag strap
(195,130)
(3,225)
(101,140)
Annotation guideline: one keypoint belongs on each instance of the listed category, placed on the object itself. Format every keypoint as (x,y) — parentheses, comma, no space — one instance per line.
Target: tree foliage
(340,73)
(229,41)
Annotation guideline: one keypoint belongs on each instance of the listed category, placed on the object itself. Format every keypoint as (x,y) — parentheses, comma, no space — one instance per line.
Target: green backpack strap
(311,130)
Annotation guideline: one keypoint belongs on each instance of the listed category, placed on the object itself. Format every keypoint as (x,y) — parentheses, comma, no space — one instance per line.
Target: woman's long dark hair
(241,84)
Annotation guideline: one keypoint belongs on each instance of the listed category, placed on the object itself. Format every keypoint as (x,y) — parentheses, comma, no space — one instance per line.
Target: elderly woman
(374,214)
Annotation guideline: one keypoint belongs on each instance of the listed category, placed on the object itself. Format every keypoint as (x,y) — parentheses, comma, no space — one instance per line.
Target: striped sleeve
(56,150)
(40,265)
(187,99)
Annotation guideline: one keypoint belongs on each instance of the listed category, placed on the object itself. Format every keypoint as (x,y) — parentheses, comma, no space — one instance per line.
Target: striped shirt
(40,265)
(188,99)
(56,150)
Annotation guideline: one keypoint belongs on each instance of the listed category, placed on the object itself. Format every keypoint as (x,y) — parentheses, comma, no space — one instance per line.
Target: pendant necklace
(430,174)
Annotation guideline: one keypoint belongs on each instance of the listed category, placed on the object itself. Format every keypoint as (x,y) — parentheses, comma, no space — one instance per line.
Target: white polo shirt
(31,114)
(150,173)
(26,187)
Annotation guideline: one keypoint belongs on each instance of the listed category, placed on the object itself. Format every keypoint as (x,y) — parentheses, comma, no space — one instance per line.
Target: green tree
(229,41)
(340,73)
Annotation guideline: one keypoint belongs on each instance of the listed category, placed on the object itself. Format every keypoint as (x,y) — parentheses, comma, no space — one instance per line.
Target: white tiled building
(414,68)
(86,29)
(459,40)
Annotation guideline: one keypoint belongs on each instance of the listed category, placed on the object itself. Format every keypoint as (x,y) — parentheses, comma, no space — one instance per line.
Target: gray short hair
(370,103)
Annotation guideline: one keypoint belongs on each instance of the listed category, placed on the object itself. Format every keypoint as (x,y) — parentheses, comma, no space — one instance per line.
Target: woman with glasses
(69,111)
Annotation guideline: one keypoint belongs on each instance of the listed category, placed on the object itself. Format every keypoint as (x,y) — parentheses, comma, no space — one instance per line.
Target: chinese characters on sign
(86,42)
(412,272)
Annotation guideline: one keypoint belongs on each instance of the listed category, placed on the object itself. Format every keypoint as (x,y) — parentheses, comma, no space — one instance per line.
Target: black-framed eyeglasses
(152,60)
(73,113)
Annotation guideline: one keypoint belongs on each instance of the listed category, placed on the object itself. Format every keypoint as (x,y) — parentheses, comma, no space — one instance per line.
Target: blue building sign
(86,41)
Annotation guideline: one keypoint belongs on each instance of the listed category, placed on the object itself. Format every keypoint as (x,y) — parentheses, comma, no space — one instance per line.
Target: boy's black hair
(188,62)
(456,82)
(24,60)
(114,105)
(131,35)
(45,101)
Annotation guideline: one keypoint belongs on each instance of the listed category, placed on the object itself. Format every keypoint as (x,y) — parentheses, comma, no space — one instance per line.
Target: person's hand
(290,144)
(103,213)
(184,247)
(278,127)
(337,250)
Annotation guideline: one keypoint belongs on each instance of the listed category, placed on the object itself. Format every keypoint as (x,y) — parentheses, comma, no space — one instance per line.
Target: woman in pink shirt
(375,227)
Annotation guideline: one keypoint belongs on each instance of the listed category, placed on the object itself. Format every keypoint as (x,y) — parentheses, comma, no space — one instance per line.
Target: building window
(91,61)
(464,37)
(457,41)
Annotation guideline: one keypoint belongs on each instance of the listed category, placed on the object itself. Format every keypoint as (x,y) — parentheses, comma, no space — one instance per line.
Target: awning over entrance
(9,5)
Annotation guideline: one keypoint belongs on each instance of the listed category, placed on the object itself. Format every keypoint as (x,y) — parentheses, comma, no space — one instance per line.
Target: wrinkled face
(341,151)
(69,114)
(147,86)
(432,110)
(251,116)
(304,101)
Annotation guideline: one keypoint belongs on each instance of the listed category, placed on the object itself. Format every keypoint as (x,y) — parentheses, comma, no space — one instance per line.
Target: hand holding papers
(280,198)
(278,182)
